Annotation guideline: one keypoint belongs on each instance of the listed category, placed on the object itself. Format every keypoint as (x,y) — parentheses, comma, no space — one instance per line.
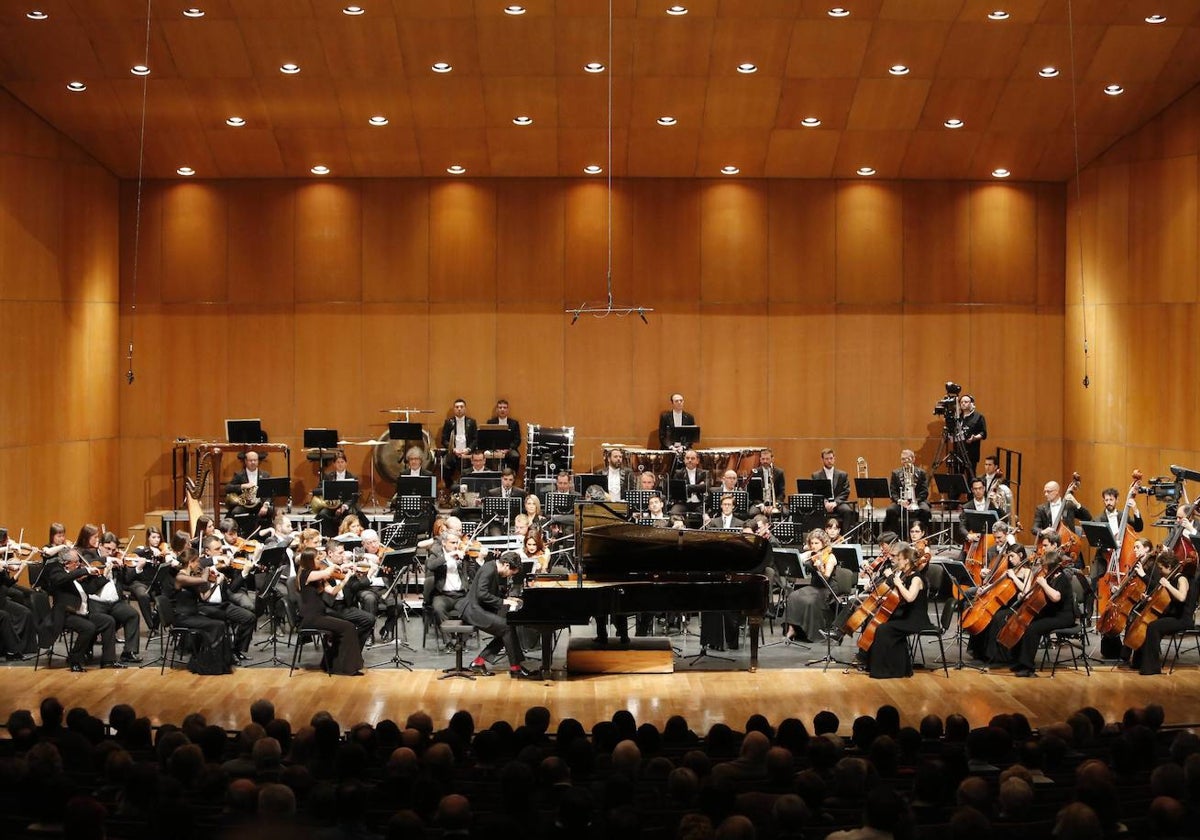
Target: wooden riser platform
(652,655)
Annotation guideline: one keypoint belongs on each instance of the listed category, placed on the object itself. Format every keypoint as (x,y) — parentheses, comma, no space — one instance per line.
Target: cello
(890,602)
(1121,560)
(1125,600)
(995,595)
(876,591)
(1030,605)
(1153,605)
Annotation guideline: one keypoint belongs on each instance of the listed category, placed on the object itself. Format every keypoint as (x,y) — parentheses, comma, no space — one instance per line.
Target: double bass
(1121,560)
(1070,543)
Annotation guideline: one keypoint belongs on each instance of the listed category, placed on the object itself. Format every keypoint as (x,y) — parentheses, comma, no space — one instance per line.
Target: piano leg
(754,628)
(547,651)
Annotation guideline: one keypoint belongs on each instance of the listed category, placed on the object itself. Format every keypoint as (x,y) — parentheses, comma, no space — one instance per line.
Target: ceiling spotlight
(140,70)
(455,169)
(1114,90)
(36,14)
(729,170)
(289,69)
(593,169)
(441,67)
(839,12)
(747,68)
(810,122)
(1156,19)
(522,120)
(514,10)
(76,87)
(193,12)
(899,70)
(953,122)
(378,120)
(1048,72)
(998,14)
(186,171)
(1000,173)
(593,67)
(236,122)
(865,171)
(320,169)
(667,121)
(677,10)
(353,11)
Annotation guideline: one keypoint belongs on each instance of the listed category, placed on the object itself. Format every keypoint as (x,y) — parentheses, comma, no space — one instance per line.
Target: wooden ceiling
(963,66)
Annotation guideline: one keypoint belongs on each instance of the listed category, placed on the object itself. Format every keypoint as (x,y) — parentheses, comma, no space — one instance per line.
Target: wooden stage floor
(703,697)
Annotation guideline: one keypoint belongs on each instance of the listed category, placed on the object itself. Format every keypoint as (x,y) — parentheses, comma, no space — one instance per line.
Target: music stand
(687,436)
(871,489)
(345,490)
(957,571)
(274,561)
(397,562)
(245,431)
(402,534)
(841,601)
(1099,535)
(979,521)
(677,491)
(480,482)
(849,557)
(803,505)
(273,488)
(821,487)
(492,437)
(741,500)
(952,487)
(639,500)
(786,562)
(784,531)
(503,509)
(403,430)
(560,504)
(424,486)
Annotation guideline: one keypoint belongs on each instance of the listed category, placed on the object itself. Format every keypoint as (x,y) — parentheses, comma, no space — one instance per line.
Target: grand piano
(626,568)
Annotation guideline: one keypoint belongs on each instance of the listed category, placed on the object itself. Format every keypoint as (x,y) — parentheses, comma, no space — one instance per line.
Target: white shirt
(691,479)
(1114,520)
(614,484)
(83,598)
(454,581)
(676,418)
(1055,507)
(460,433)
(252,477)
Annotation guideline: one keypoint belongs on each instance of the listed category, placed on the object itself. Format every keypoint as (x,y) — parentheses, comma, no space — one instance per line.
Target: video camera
(947,406)
(1161,488)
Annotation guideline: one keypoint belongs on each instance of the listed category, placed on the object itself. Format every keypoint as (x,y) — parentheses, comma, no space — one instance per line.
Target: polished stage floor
(709,692)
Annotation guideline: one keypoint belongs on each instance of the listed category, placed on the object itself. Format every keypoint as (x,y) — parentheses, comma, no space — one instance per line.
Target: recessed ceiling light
(522,120)
(1000,173)
(76,87)
(865,171)
(810,122)
(593,67)
(289,69)
(1156,19)
(593,169)
(747,67)
(1048,72)
(838,12)
(1114,90)
(140,70)
(514,10)
(729,170)
(953,122)
(677,10)
(899,70)
(998,14)
(455,169)
(378,119)
(236,122)
(441,67)
(320,169)
(186,171)
(353,11)
(36,14)
(193,12)
(667,121)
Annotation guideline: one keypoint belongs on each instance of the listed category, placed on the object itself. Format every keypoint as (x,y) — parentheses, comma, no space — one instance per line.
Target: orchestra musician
(726,519)
(414,461)
(351,527)
(998,493)
(618,478)
(1179,581)
(533,509)
(654,513)
(510,457)
(448,572)
(1059,612)
(18,635)
(313,585)
(1111,516)
(105,596)
(671,420)
(459,434)
(909,489)
(507,488)
(63,578)
(774,485)
(1064,510)
(146,577)
(839,504)
(243,488)
(329,514)
(191,584)
(13,556)
(486,609)
(809,609)
(980,503)
(973,428)
(888,655)
(727,487)
(695,482)
(362,585)
(648,482)
(984,645)
(215,601)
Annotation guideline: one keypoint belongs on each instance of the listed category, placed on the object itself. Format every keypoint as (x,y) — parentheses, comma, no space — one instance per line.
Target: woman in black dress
(192,584)
(1175,579)
(809,609)
(313,585)
(888,656)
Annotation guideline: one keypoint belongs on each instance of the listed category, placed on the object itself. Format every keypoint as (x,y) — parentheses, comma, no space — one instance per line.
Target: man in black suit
(511,456)
(618,477)
(459,434)
(259,515)
(774,484)
(1065,510)
(725,520)
(486,609)
(838,505)
(330,517)
(70,610)
(695,482)
(909,489)
(1111,516)
(669,421)
(973,426)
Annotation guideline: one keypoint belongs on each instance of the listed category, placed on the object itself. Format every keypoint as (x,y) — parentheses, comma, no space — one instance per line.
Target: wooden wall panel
(1163,230)
(867,363)
(91,215)
(937,242)
(870,243)
(665,241)
(931,341)
(1003,244)
(272,341)
(732,389)
(396,364)
(733,243)
(30,228)
(529,241)
(802,241)
(261,242)
(797,357)
(665,354)
(462,243)
(531,341)
(329,374)
(328,242)
(395,220)
(194,250)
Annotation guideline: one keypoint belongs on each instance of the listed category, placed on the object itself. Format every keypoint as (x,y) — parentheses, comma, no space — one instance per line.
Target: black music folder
(821,487)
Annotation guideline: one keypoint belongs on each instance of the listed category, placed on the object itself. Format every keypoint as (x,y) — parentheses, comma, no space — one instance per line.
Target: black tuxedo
(328,519)
(450,464)
(716,523)
(627,481)
(842,509)
(239,478)
(1071,515)
(967,507)
(666,429)
(245,517)
(484,608)
(441,601)
(66,614)
(702,480)
(513,459)
(893,519)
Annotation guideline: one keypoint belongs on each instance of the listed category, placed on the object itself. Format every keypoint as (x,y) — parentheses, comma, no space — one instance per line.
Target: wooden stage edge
(703,697)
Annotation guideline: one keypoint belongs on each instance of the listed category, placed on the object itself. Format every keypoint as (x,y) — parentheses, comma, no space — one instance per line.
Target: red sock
(478,661)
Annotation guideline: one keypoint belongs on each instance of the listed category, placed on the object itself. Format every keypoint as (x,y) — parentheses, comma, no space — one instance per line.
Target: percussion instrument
(389,454)
(658,461)
(549,449)
(717,461)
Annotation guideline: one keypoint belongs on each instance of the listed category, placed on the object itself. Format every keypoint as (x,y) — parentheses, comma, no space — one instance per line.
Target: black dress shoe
(601,638)
(116,666)
(480,669)
(76,668)
(1025,672)
(239,656)
(130,657)
(17,657)
(523,673)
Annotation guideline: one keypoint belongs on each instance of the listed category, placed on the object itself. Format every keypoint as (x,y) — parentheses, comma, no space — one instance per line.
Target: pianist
(487,610)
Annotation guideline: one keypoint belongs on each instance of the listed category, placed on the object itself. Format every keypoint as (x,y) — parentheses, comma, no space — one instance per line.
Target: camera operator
(972,427)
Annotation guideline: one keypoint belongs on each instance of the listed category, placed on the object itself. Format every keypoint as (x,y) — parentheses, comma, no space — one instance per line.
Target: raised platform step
(649,655)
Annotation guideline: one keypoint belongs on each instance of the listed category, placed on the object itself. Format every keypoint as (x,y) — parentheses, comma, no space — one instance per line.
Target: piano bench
(458,634)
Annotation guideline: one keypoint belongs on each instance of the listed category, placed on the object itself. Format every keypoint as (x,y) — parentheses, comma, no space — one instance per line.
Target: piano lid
(611,545)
